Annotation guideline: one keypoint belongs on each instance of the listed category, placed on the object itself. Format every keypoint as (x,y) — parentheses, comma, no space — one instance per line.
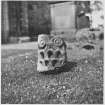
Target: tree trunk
(5,22)
(24,21)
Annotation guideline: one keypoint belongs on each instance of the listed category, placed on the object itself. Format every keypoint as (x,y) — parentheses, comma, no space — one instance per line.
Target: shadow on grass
(66,68)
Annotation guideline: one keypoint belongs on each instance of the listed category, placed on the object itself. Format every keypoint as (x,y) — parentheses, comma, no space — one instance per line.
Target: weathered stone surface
(51,52)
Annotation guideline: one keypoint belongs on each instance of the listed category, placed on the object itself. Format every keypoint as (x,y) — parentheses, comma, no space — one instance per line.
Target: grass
(80,82)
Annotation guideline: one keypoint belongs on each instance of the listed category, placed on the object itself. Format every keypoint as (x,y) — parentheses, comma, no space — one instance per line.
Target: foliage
(39,18)
(26,18)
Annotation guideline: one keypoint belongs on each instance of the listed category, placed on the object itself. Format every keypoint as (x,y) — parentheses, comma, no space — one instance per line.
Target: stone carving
(51,52)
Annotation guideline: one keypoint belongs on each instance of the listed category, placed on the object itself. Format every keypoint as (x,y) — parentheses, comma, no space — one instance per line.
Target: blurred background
(23,21)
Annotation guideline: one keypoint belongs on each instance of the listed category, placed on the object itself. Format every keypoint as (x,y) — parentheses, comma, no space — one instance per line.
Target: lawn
(79,82)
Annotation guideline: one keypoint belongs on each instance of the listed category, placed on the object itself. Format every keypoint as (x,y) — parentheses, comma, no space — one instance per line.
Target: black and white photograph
(52,52)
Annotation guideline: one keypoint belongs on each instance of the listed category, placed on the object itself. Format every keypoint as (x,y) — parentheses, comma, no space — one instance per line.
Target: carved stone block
(51,52)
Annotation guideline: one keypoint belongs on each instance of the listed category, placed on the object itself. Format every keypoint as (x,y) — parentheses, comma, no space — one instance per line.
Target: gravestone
(63,19)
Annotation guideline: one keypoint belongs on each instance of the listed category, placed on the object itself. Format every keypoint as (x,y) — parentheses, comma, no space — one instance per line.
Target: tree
(5,22)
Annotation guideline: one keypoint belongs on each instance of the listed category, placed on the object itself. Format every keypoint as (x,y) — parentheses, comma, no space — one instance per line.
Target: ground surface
(80,81)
